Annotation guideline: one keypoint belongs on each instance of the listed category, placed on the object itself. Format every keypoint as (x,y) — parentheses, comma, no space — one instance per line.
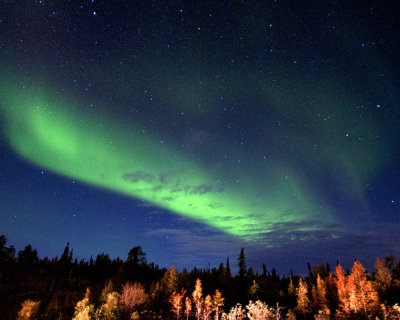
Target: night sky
(196,128)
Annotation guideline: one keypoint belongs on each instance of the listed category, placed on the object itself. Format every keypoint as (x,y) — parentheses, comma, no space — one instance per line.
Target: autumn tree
(132,296)
(217,302)
(176,300)
(83,309)
(355,292)
(208,307)
(363,296)
(303,303)
(171,280)
(392,312)
(188,307)
(291,288)
(198,298)
(236,313)
(342,289)
(108,288)
(254,290)
(109,310)
(383,276)
(28,310)
(320,300)
(259,311)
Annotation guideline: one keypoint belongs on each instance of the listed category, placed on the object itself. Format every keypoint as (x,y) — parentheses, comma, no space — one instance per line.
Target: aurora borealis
(196,129)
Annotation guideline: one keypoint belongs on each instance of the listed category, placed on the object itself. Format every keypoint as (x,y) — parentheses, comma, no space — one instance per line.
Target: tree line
(105,288)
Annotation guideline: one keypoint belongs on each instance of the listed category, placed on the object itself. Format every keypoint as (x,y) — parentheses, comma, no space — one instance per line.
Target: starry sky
(196,128)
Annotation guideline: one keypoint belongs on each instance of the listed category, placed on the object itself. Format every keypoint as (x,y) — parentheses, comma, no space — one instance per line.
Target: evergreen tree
(242,264)
(6,253)
(28,257)
(228,268)
(264,270)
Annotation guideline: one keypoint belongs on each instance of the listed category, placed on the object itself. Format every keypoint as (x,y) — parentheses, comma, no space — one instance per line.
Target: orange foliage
(356,293)
(176,302)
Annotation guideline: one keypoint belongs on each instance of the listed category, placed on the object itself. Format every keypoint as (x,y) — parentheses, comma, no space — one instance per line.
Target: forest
(105,288)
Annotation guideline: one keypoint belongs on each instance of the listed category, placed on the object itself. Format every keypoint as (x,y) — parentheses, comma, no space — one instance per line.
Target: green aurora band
(57,136)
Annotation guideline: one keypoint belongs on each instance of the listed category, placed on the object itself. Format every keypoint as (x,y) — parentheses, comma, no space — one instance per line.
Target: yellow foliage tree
(198,298)
(109,310)
(28,310)
(218,302)
(83,309)
(303,303)
(176,300)
(188,307)
(208,307)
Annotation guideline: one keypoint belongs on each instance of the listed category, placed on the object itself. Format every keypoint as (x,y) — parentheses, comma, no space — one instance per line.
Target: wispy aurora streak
(55,135)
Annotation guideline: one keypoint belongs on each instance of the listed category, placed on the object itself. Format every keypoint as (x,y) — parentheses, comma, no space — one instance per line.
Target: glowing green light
(57,136)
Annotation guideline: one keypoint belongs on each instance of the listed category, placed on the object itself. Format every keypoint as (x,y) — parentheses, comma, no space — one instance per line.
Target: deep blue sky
(286,106)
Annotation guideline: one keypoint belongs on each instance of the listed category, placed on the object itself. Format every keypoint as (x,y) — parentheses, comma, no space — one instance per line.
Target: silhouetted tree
(6,253)
(264,270)
(228,267)
(242,264)
(28,258)
(136,256)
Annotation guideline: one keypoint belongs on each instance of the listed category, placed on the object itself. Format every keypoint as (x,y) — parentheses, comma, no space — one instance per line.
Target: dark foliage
(60,283)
